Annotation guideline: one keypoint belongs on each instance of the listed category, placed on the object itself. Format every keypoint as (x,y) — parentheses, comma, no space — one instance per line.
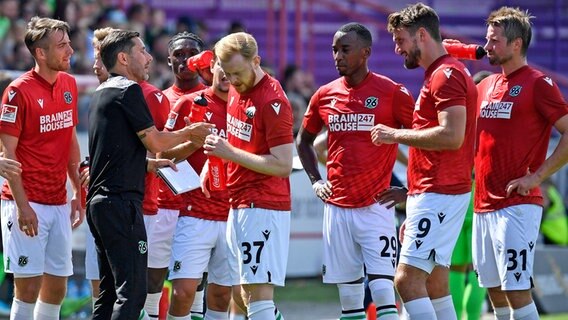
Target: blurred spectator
(137,16)
(298,81)
(9,12)
(160,72)
(299,107)
(236,26)
(554,224)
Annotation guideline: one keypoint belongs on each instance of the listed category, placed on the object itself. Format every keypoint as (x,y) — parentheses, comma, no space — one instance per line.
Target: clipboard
(181,181)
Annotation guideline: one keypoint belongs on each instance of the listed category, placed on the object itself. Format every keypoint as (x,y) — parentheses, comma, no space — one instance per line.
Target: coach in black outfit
(120,131)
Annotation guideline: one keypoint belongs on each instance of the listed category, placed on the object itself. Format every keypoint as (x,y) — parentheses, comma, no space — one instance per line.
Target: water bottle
(217,176)
(460,50)
(200,61)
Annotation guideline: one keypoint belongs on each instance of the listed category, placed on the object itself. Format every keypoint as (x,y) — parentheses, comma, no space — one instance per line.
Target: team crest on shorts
(515,91)
(177,265)
(142,247)
(22,261)
(371,102)
(68,97)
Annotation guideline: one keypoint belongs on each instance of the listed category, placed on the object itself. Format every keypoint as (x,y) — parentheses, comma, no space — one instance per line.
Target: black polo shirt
(117,112)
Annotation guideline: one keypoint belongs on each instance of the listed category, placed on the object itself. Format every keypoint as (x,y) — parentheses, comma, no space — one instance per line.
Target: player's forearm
(73,165)
(557,159)
(435,138)
(309,160)
(267,164)
(181,151)
(18,192)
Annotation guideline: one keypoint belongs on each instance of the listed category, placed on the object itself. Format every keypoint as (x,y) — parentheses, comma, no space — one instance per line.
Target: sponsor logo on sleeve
(9,113)
(172,118)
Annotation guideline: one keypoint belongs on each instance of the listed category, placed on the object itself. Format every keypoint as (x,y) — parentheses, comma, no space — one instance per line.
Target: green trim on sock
(358,317)
(142,313)
(386,313)
(196,317)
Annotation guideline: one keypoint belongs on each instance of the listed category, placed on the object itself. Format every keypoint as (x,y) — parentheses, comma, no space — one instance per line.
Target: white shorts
(258,241)
(91,259)
(49,252)
(358,237)
(504,246)
(433,224)
(160,230)
(199,246)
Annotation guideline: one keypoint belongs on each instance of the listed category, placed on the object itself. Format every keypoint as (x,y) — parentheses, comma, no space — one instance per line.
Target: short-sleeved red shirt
(166,199)
(159,107)
(258,120)
(42,116)
(447,83)
(516,115)
(195,203)
(356,168)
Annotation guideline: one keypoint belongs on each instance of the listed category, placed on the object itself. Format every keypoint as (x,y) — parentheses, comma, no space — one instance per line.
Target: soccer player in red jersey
(37,128)
(161,226)
(259,154)
(440,162)
(357,231)
(517,110)
(199,243)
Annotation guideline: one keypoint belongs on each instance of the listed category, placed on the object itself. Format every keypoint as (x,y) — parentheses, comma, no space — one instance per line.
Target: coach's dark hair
(414,17)
(185,35)
(115,42)
(362,32)
(39,29)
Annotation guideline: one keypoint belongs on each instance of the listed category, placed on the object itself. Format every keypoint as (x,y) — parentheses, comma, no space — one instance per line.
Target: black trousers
(117,224)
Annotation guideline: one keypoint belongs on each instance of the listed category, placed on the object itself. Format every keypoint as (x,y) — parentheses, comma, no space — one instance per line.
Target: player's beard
(497,61)
(59,65)
(412,57)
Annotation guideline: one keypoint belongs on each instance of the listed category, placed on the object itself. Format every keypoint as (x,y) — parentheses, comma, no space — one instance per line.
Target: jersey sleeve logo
(11,95)
(448,72)
(276,107)
(548,80)
(68,97)
(159,96)
(172,118)
(371,102)
(9,113)
(208,115)
(405,91)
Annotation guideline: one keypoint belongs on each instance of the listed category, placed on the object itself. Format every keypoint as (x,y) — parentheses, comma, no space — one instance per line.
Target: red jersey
(159,106)
(447,83)
(358,169)
(166,199)
(258,120)
(42,116)
(195,203)
(516,115)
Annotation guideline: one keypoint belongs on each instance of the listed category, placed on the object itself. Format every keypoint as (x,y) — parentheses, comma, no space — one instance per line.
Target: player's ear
(256,61)
(169,61)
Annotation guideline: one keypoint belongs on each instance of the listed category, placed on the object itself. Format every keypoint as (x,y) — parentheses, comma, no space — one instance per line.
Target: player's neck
(220,94)
(513,65)
(46,73)
(258,75)
(357,77)
(432,53)
(185,85)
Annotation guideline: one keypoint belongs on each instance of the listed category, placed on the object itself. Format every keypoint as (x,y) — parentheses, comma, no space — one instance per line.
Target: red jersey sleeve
(449,88)
(549,101)
(180,110)
(159,106)
(312,120)
(12,118)
(277,121)
(403,106)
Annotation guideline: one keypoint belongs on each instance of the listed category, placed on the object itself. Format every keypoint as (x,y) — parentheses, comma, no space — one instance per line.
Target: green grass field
(313,290)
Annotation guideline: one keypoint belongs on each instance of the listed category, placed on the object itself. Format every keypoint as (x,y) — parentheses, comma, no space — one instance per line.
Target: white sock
(261,310)
(216,315)
(152,305)
(170,317)
(502,313)
(444,308)
(197,306)
(527,312)
(420,309)
(277,314)
(234,316)
(351,297)
(21,310)
(382,291)
(46,311)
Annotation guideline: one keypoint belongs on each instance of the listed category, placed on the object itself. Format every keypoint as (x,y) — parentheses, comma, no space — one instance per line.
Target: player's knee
(27,289)
(156,279)
(218,298)
(183,294)
(382,291)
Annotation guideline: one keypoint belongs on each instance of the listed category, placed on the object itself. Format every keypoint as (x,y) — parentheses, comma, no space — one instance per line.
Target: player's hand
(77,211)
(322,189)
(451,41)
(27,221)
(523,185)
(382,134)
(197,131)
(392,196)
(155,164)
(204,180)
(217,146)
(85,177)
(206,75)
(9,168)
(401,231)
